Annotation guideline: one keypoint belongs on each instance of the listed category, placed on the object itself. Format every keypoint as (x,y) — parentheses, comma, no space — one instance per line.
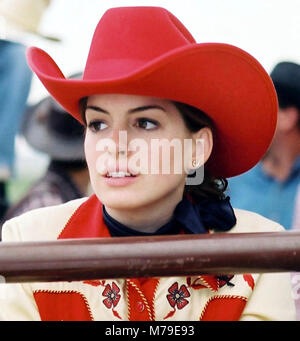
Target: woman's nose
(120,142)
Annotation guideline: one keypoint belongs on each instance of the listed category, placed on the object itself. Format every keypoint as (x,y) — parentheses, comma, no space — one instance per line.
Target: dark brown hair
(211,187)
(195,119)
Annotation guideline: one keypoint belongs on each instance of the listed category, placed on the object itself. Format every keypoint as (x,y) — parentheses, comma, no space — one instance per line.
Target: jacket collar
(87,222)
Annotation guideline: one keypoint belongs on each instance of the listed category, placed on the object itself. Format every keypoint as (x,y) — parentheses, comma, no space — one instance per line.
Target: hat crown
(126,38)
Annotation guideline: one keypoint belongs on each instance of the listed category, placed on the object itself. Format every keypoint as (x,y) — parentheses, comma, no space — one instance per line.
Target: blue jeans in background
(15,81)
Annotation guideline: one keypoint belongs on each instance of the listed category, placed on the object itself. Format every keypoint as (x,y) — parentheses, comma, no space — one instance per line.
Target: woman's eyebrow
(93,107)
(146,107)
(131,111)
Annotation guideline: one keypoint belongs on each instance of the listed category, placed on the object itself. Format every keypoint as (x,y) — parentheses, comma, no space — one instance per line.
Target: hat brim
(225,82)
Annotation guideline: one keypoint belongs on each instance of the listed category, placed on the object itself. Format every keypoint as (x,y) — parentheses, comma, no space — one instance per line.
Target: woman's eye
(97,125)
(146,124)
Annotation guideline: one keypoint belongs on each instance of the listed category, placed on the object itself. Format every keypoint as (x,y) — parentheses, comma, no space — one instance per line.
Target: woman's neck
(147,218)
(280,159)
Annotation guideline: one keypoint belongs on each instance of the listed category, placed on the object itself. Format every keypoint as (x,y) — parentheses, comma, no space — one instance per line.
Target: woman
(147,83)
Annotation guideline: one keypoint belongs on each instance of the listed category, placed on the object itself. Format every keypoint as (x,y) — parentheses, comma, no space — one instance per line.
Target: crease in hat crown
(131,27)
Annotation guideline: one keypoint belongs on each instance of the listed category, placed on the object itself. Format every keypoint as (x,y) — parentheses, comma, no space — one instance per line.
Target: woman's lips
(120,181)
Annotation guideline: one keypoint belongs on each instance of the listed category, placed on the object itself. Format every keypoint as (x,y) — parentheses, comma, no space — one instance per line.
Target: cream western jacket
(244,297)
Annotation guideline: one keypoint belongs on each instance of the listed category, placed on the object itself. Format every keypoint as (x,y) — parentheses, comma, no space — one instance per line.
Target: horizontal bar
(128,257)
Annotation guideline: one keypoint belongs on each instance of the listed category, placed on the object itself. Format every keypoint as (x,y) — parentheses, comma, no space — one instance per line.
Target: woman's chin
(121,201)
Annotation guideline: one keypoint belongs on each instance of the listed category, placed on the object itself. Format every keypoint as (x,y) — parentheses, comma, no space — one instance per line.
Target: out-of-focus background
(267,29)
(49,165)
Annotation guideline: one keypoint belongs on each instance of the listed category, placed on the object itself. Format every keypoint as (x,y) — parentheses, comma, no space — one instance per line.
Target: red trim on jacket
(141,292)
(62,306)
(223,308)
(87,222)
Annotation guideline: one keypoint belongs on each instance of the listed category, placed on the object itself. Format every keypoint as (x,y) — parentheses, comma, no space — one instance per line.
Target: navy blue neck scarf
(191,218)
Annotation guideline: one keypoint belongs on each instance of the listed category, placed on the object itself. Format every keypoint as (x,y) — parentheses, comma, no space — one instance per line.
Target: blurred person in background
(296,216)
(296,275)
(49,129)
(270,187)
(19,21)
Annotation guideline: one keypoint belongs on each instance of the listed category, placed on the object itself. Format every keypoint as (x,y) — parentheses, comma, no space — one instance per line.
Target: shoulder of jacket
(39,224)
(248,221)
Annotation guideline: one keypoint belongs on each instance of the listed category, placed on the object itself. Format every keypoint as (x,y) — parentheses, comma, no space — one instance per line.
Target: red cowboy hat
(147,51)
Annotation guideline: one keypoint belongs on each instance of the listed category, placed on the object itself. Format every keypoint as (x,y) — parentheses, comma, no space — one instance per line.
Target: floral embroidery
(177,298)
(111,292)
(225,280)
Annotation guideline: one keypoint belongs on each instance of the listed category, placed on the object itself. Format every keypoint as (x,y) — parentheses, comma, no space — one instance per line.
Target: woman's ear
(203,145)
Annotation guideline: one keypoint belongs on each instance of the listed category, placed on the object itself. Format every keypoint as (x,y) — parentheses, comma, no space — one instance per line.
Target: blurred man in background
(270,187)
(19,21)
(49,129)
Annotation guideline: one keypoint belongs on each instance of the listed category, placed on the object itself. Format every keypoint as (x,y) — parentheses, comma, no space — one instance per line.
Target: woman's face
(128,166)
